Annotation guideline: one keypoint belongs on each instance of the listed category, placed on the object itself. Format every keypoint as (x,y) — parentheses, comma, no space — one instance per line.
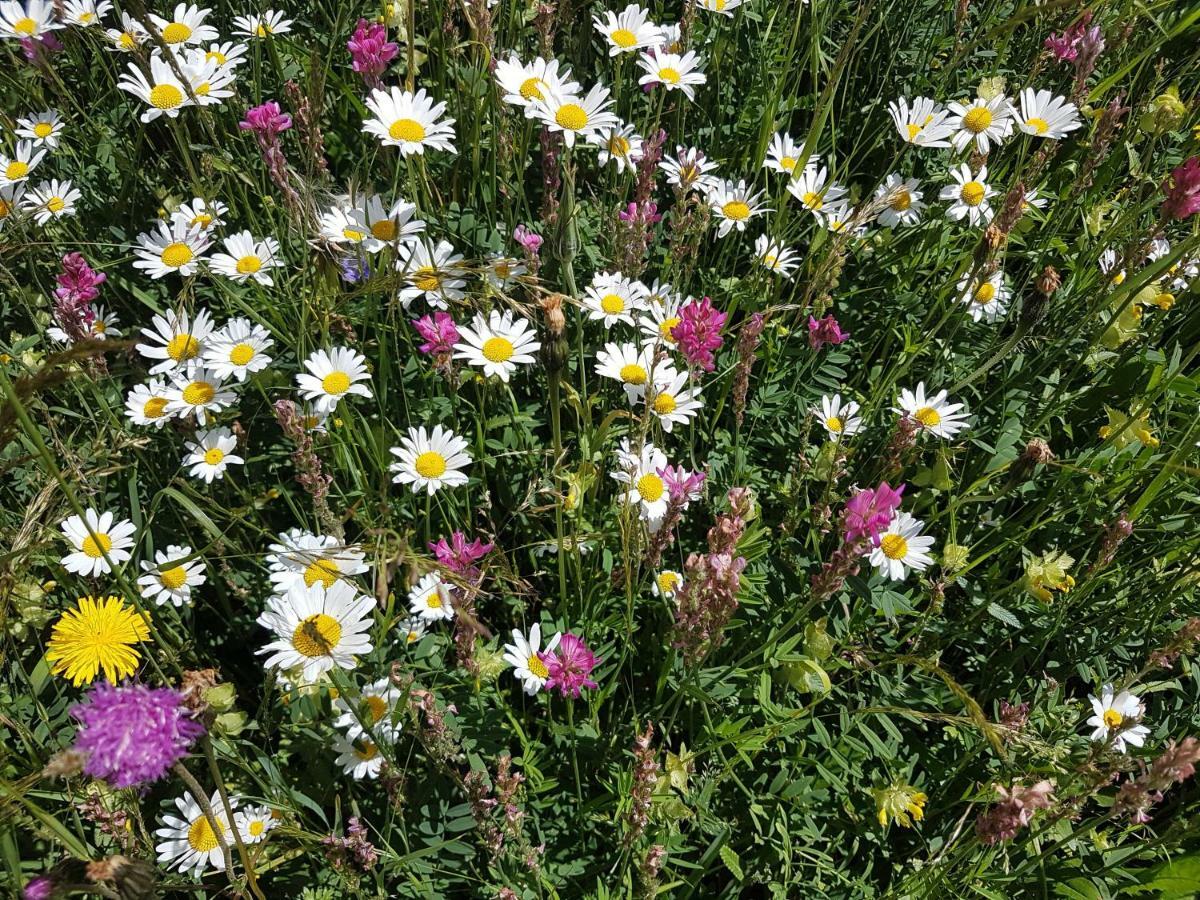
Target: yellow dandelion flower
(99,634)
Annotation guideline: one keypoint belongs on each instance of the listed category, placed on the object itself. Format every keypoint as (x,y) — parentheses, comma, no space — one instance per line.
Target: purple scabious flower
(371,51)
(132,734)
(439,333)
(40,888)
(825,331)
(354,270)
(698,334)
(869,512)
(570,666)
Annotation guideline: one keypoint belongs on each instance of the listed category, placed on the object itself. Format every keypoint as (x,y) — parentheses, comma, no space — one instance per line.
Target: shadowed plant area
(524,449)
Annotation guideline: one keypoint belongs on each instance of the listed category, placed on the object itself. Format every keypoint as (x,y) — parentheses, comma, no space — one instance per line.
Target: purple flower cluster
(459,556)
(570,666)
(439,333)
(869,512)
(371,51)
(1183,190)
(132,734)
(78,285)
(825,331)
(1081,39)
(698,334)
(1013,812)
(267,121)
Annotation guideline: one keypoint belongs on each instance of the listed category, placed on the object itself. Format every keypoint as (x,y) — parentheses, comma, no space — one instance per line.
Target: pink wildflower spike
(570,666)
(698,334)
(869,512)
(370,51)
(459,556)
(825,331)
(439,332)
(1183,190)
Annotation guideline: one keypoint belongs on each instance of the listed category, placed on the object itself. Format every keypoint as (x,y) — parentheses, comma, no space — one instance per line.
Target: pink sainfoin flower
(78,282)
(1013,812)
(36,50)
(682,486)
(459,556)
(439,333)
(641,792)
(869,512)
(267,121)
(1183,190)
(1176,764)
(1082,37)
(570,666)
(825,331)
(133,734)
(530,241)
(353,850)
(371,51)
(698,334)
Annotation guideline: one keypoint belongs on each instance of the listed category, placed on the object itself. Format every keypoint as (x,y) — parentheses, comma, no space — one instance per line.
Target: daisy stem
(574,735)
(215,771)
(201,799)
(556,428)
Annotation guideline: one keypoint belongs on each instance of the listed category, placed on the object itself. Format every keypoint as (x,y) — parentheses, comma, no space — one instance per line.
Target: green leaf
(732,863)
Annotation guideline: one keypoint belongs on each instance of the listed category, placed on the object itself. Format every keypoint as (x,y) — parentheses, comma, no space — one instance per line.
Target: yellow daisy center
(985,293)
(256,828)
(894,546)
(335,383)
(738,210)
(612,304)
(249,264)
(664,403)
(86,17)
(571,116)
(127,41)
(198,393)
(497,349)
(669,75)
(434,599)
(928,416)
(201,220)
(978,119)
(537,667)
(812,200)
(633,374)
(202,89)
(787,163)
(668,582)
(25,26)
(972,193)
(56,204)
(650,487)
(353,234)
(618,146)
(182,346)
(407,130)
(623,37)
(174,578)
(317,635)
(834,423)
(376,708)
(384,229)
(901,200)
(667,326)
(176,255)
(214,455)
(16,169)
(99,327)
(96,547)
(427,278)
(201,837)
(531,89)
(165,96)
(1039,125)
(913,131)
(241,354)
(430,464)
(176,33)
(322,571)
(262,31)
(1112,718)
(5,209)
(215,55)
(43,129)
(368,751)
(154,408)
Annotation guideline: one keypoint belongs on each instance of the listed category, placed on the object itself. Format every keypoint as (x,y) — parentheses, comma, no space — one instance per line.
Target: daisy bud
(552,308)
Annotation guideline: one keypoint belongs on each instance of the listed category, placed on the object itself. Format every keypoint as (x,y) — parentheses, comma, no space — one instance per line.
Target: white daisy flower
(672,38)
(666,584)
(253,823)
(175,339)
(501,271)
(171,577)
(497,344)
(186,25)
(934,414)
(721,7)
(675,72)
(51,199)
(658,321)
(902,547)
(689,169)
(985,299)
(93,537)
(901,201)
(32,19)
(227,55)
(331,375)
(841,217)
(817,193)
(312,560)
(211,453)
(262,25)
(128,37)
(840,419)
(644,486)
(627,30)
(430,599)
(619,144)
(342,224)
(523,654)
(575,116)
(11,197)
(612,298)
(359,758)
(375,706)
(430,461)
(146,404)
(210,82)
(981,123)
(430,272)
(317,629)
(200,214)
(1044,115)
(189,842)
(923,124)
(661,294)
(197,391)
(44,129)
(247,259)
(783,154)
(413,629)
(775,257)
(409,121)
(239,349)
(163,93)
(170,248)
(1117,718)
(384,226)
(102,328)
(18,167)
(525,83)
(734,205)
(85,13)
(969,195)
(627,364)
(673,401)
